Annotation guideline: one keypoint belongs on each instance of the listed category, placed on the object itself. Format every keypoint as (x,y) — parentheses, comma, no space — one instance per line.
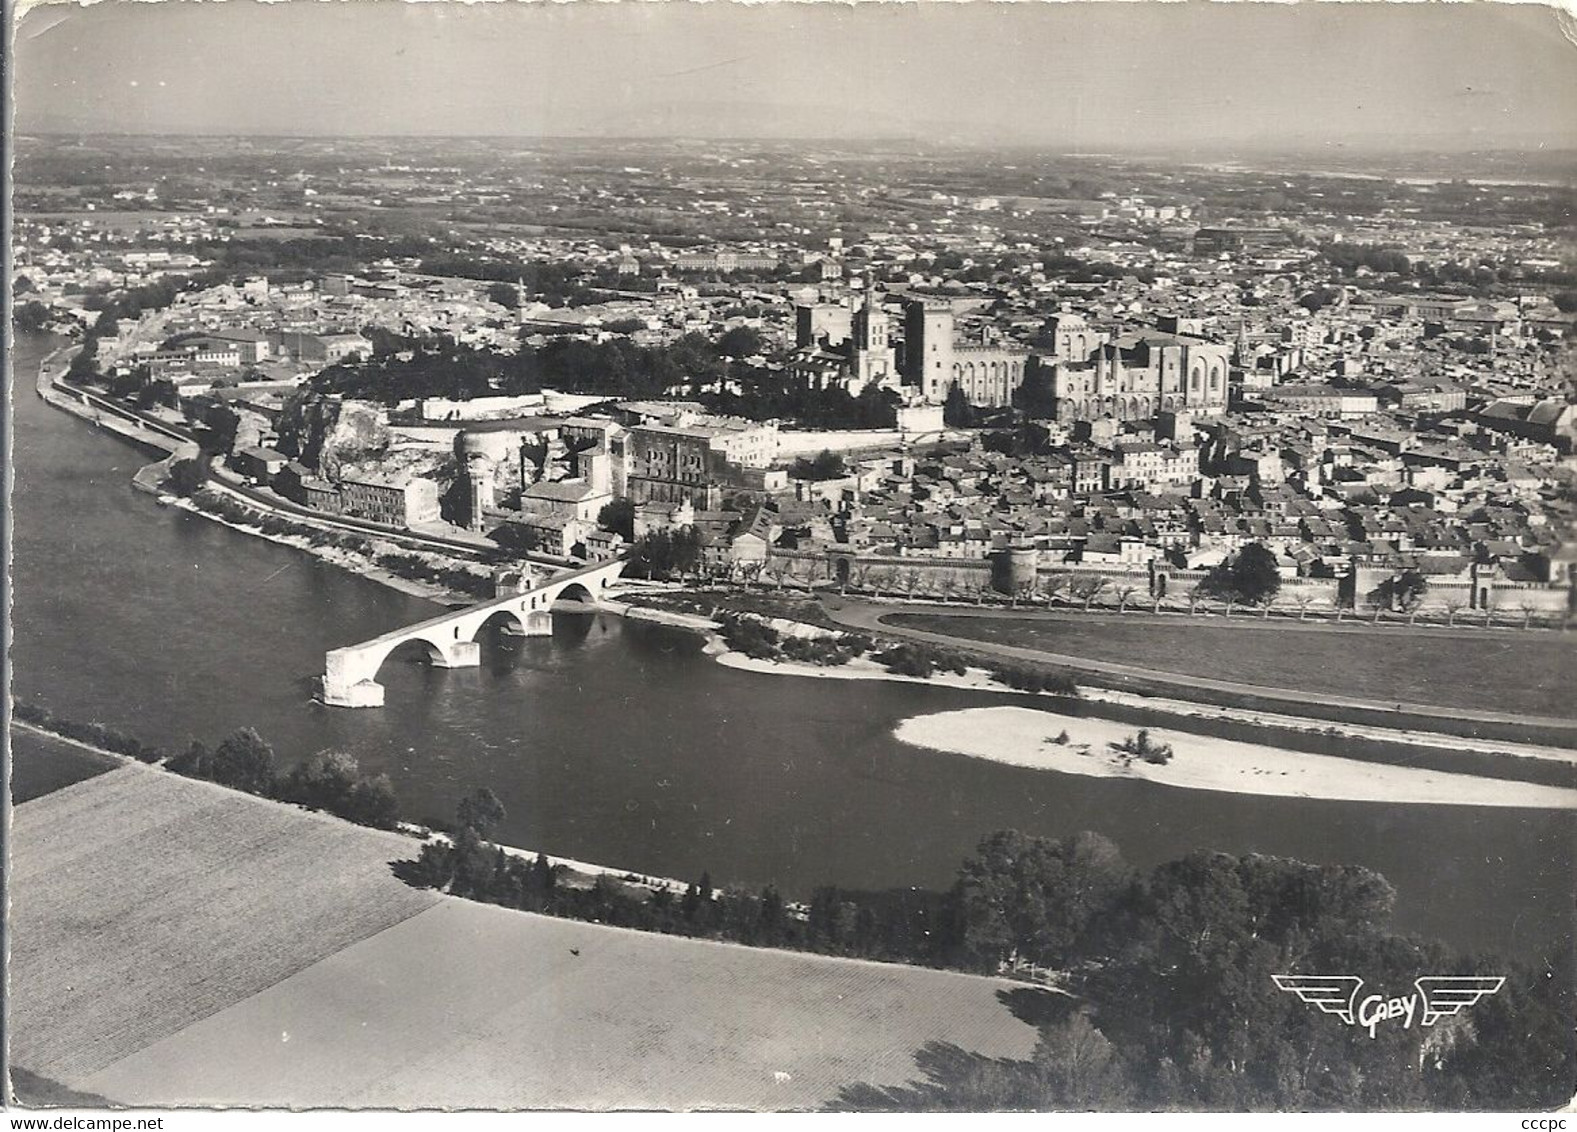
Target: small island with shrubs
(756,636)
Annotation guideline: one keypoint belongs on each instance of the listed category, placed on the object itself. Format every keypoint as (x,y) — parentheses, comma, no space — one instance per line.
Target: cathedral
(836,345)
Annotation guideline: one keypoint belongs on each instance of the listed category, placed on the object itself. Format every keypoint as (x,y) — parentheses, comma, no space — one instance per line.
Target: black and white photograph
(664,557)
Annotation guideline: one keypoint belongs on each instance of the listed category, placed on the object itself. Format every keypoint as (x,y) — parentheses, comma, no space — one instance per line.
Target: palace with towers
(1134,375)
(989,370)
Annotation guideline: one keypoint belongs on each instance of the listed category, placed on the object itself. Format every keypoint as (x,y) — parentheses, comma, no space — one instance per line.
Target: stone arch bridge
(451,638)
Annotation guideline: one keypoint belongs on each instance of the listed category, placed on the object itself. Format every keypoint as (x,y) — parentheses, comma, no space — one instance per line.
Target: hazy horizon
(1098,77)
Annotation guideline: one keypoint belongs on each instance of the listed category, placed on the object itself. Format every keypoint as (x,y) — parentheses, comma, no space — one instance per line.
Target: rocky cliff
(326,433)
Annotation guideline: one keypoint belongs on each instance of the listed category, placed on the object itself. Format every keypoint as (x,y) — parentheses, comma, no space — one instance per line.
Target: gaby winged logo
(1438,996)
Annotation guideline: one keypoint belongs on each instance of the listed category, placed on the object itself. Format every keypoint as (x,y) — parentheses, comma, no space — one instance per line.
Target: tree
(187,477)
(222,423)
(1035,396)
(1074,1068)
(661,554)
(504,295)
(1124,596)
(1090,589)
(1143,746)
(957,412)
(1031,899)
(481,811)
(772,916)
(537,453)
(1317,299)
(618,516)
(1408,590)
(517,538)
(324,781)
(197,761)
(1378,603)
(1250,576)
(544,876)
(30,316)
(372,803)
(741,342)
(1080,1068)
(826,466)
(245,762)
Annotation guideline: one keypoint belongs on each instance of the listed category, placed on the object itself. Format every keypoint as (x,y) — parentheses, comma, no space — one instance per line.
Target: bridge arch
(433,652)
(576,592)
(501,619)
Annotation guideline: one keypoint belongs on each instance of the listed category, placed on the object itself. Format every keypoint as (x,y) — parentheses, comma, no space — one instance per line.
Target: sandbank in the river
(1027,737)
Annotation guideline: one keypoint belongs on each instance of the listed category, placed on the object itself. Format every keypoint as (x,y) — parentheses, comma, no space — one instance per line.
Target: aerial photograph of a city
(791,557)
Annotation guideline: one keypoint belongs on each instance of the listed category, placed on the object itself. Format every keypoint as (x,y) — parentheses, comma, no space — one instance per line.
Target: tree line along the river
(1163,992)
(327,780)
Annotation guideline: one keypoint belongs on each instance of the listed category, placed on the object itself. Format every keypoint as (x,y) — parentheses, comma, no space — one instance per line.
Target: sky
(1087,76)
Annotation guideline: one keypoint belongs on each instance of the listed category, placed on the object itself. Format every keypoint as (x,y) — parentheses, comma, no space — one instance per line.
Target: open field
(143,902)
(177,943)
(1494,671)
(494,1009)
(41,764)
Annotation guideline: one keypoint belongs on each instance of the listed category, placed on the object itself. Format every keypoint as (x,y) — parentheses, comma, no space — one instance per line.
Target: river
(620,742)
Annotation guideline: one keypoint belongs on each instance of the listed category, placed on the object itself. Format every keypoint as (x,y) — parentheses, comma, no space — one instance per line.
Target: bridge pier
(363,693)
(457,654)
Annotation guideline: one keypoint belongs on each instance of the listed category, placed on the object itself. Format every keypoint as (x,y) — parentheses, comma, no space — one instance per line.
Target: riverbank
(1433,754)
(81,404)
(39,779)
(1045,740)
(341,558)
(979,680)
(150,478)
(1302,691)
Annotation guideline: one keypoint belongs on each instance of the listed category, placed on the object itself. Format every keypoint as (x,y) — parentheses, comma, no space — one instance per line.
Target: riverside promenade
(101,411)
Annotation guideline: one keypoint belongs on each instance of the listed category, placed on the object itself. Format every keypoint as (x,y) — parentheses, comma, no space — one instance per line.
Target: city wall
(810,443)
(904,575)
